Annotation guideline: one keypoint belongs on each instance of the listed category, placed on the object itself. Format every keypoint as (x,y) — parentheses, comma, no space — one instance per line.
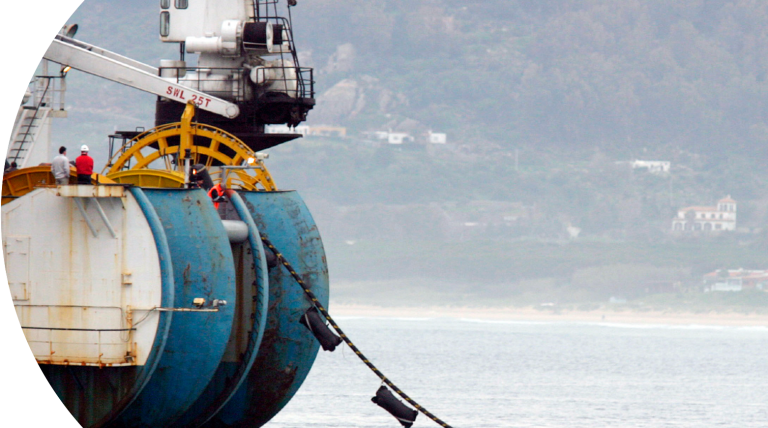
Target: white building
(437,138)
(285,129)
(718,218)
(654,167)
(377,135)
(399,138)
(736,280)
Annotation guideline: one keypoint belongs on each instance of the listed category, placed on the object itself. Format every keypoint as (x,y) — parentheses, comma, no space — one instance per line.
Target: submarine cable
(354,348)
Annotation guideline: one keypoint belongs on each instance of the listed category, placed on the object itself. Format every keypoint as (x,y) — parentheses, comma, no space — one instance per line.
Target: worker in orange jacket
(217,194)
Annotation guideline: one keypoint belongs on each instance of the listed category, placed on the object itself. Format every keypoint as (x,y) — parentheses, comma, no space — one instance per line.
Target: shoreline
(532,314)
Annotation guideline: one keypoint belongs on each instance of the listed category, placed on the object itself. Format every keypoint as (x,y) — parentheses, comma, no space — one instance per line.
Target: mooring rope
(346,340)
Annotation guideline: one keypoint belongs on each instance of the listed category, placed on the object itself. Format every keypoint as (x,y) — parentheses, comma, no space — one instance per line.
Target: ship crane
(144,304)
(246,76)
(245,54)
(108,65)
(247,73)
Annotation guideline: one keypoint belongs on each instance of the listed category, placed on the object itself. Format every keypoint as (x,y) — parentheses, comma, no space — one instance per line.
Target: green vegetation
(571,75)
(428,226)
(430,188)
(610,74)
(527,272)
(748,301)
(571,89)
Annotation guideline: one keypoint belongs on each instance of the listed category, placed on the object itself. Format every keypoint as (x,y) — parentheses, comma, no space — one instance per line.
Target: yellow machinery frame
(173,176)
(22,181)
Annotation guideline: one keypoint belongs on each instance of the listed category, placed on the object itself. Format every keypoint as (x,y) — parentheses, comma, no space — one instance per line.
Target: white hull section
(82,295)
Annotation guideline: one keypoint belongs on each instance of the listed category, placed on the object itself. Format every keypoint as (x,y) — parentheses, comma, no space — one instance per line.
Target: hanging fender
(387,401)
(315,323)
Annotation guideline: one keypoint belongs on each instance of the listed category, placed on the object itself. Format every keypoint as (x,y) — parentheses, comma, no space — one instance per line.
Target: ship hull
(233,364)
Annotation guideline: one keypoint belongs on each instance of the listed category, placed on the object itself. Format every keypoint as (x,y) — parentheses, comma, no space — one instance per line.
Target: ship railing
(297,82)
(261,8)
(306,82)
(122,141)
(266,11)
(285,27)
(224,83)
(81,344)
(282,36)
(49,92)
(228,83)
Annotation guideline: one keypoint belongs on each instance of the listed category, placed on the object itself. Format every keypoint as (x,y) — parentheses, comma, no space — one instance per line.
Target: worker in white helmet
(84,165)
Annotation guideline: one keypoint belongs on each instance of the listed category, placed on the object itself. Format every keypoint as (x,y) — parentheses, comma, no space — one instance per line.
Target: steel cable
(346,340)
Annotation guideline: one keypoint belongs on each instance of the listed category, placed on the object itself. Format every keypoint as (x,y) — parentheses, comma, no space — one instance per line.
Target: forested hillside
(574,87)
(613,74)
(543,102)
(618,75)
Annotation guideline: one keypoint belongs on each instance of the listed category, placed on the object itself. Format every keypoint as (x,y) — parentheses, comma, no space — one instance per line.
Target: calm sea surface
(474,373)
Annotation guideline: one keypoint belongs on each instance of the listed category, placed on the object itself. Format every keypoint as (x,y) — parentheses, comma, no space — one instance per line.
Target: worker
(60,167)
(84,165)
(217,195)
(13,167)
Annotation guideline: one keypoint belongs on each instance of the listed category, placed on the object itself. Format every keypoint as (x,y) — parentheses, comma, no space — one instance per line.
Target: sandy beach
(550,314)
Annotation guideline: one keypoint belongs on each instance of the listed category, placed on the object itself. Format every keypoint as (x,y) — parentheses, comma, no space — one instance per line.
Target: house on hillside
(390,137)
(708,219)
(654,167)
(399,138)
(328,131)
(306,130)
(437,137)
(285,129)
(736,280)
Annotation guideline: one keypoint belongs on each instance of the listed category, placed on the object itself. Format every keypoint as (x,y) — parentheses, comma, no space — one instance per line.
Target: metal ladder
(28,126)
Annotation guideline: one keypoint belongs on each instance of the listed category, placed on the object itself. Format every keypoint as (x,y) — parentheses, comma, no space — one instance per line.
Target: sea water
(475,373)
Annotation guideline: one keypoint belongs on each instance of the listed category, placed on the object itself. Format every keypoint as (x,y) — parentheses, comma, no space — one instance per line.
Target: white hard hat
(84,148)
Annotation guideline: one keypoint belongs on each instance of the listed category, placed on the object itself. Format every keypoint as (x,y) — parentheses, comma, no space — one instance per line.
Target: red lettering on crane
(201,100)
(175,92)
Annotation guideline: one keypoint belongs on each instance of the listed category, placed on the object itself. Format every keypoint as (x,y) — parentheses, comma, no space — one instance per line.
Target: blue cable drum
(288,349)
(95,395)
(203,267)
(230,375)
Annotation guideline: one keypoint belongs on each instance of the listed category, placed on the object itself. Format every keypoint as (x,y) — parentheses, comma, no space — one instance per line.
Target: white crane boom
(117,68)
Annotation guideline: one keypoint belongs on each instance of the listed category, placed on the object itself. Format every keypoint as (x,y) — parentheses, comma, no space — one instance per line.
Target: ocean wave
(515,322)
(361,317)
(662,326)
(620,325)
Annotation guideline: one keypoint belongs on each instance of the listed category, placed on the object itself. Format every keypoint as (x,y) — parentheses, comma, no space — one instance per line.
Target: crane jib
(118,69)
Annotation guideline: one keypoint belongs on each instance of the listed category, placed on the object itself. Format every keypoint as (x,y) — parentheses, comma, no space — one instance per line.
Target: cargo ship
(146,294)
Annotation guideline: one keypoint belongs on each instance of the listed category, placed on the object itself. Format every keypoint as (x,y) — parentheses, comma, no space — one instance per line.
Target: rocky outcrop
(350,97)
